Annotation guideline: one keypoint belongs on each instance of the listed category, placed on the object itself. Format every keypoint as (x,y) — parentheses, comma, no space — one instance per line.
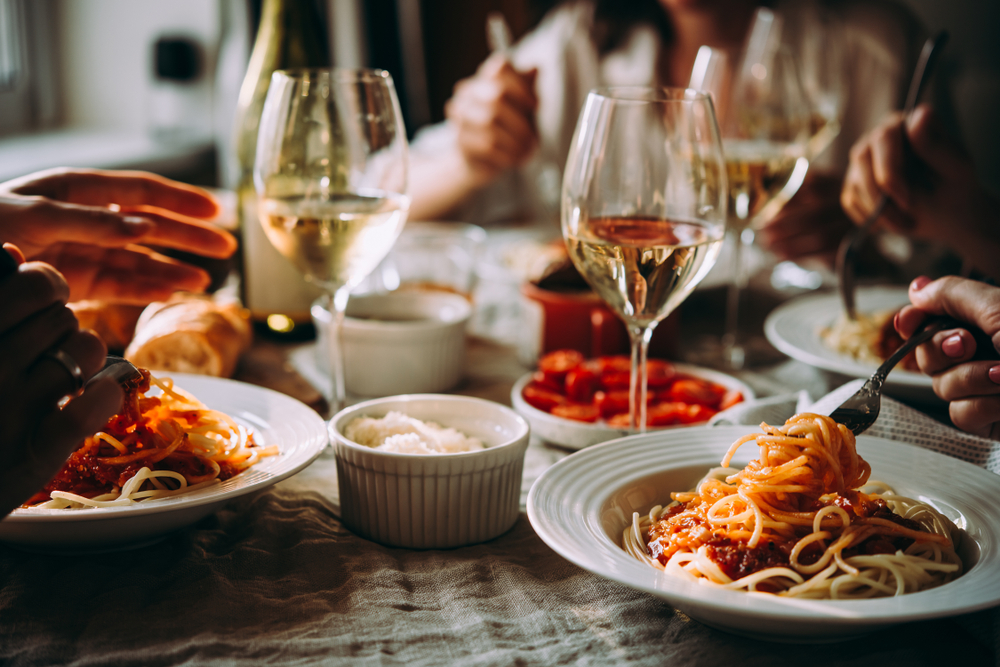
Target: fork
(861,410)
(848,250)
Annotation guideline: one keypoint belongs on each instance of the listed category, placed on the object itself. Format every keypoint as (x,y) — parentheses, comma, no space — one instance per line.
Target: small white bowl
(403,342)
(435,501)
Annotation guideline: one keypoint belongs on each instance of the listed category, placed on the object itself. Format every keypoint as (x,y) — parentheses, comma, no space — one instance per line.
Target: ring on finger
(64,359)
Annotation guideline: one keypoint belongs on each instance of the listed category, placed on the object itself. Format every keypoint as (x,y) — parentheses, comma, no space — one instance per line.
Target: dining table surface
(274,577)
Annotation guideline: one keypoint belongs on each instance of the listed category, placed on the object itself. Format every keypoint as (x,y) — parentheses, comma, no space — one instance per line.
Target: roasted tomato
(696,414)
(577,412)
(611,402)
(581,383)
(659,374)
(665,414)
(541,397)
(555,365)
(548,382)
(694,390)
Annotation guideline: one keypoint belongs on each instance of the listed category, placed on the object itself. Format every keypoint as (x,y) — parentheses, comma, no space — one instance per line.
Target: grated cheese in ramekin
(397,432)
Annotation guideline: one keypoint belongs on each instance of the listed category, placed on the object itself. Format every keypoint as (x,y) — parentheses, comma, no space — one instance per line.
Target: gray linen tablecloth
(275,578)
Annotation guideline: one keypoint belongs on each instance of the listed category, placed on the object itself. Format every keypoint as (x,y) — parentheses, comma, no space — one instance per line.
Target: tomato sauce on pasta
(801,519)
(157,446)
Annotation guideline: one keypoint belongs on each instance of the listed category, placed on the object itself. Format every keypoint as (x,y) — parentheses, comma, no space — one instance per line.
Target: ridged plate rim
(564,507)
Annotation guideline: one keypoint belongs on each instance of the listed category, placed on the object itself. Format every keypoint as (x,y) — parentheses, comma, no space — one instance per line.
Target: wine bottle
(291,34)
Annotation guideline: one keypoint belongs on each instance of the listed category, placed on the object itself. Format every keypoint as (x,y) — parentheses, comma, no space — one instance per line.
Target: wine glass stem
(337,304)
(730,340)
(639,337)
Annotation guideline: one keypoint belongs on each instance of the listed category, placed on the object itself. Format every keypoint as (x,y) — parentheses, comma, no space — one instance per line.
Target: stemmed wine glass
(331,178)
(644,207)
(820,48)
(766,130)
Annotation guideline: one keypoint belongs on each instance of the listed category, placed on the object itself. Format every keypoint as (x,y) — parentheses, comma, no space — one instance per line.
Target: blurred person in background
(498,157)
(84,228)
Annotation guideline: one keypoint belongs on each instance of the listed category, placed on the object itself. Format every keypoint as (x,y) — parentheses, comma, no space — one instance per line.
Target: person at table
(93,226)
(43,357)
(930,183)
(965,363)
(62,217)
(499,155)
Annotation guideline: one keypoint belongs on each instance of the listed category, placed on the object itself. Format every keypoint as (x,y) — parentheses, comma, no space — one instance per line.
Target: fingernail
(995,374)
(895,321)
(953,346)
(138,226)
(919,283)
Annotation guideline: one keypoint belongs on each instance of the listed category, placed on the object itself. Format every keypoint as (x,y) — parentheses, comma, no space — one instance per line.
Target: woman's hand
(36,330)
(494,116)
(88,224)
(931,186)
(965,363)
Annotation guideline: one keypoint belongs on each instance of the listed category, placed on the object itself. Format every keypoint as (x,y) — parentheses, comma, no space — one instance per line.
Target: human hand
(810,224)
(36,435)
(494,114)
(88,224)
(965,363)
(930,183)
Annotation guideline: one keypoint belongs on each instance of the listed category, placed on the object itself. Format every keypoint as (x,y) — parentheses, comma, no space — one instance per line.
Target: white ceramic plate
(577,435)
(794,326)
(276,419)
(581,505)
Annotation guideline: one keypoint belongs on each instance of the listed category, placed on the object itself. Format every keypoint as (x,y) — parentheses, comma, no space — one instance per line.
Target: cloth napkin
(896,421)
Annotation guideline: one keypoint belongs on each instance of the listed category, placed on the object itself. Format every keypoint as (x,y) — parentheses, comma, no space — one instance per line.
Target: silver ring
(69,363)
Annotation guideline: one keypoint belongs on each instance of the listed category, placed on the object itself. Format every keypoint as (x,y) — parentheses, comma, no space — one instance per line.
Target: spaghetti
(870,339)
(158,446)
(800,520)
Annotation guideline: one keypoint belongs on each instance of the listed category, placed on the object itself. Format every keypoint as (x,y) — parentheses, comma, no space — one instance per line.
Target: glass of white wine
(766,129)
(331,181)
(644,207)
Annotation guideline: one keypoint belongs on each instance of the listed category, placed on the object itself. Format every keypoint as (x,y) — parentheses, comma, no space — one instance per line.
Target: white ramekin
(436,501)
(403,342)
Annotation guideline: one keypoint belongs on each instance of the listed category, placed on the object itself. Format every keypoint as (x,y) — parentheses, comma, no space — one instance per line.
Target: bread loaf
(190,334)
(113,323)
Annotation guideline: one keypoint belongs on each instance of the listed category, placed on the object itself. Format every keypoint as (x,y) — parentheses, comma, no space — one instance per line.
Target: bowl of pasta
(181,448)
(797,533)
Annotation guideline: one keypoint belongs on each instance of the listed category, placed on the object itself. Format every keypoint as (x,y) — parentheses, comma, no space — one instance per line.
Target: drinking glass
(766,131)
(331,178)
(644,207)
(819,46)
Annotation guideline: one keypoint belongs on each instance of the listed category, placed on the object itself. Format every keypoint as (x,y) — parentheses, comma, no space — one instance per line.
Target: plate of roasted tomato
(576,402)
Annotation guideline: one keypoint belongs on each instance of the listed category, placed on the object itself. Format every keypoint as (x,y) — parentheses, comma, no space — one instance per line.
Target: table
(275,578)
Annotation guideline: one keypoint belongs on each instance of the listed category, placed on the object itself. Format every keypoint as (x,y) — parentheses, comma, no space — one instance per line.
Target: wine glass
(331,178)
(819,46)
(766,131)
(644,207)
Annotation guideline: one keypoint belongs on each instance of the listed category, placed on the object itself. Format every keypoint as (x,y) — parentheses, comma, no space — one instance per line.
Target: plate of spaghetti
(181,447)
(790,533)
(812,329)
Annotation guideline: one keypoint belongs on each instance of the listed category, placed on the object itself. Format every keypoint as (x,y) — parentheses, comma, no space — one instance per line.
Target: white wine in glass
(331,178)
(766,130)
(644,207)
